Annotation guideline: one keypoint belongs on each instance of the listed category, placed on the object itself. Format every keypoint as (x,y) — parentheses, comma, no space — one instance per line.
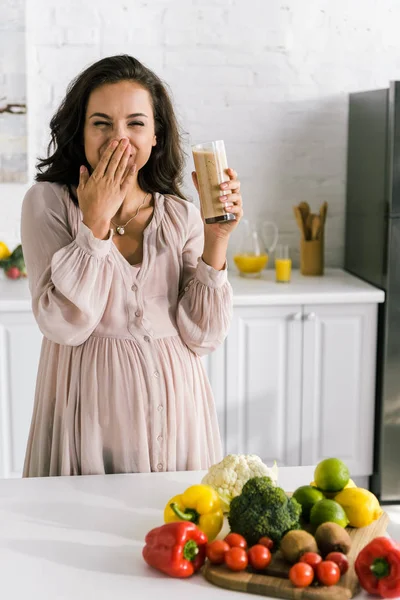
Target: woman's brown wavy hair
(163,171)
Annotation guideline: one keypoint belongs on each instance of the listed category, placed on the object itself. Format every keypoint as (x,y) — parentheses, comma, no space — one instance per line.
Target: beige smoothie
(210,164)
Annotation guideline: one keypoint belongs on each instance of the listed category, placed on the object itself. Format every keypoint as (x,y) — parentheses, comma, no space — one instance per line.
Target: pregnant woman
(129,285)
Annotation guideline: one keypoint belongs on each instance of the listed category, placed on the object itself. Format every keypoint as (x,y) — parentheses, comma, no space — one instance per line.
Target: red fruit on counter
(216,550)
(13,273)
(267,542)
(259,557)
(236,559)
(340,559)
(328,573)
(177,549)
(301,574)
(378,567)
(311,558)
(236,540)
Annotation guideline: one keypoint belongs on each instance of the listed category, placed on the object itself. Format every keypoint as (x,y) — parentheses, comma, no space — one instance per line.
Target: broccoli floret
(263,509)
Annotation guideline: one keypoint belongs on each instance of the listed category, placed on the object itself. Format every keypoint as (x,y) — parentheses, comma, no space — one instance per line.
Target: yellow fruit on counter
(361,506)
(4,251)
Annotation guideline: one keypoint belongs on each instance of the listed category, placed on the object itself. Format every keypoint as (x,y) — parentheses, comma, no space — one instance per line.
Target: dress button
(160,407)
(186,288)
(138,313)
(159,439)
(146,338)
(156,374)
(160,466)
(134,288)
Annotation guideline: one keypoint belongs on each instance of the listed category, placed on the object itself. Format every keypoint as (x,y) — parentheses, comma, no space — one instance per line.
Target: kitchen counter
(74,538)
(335,287)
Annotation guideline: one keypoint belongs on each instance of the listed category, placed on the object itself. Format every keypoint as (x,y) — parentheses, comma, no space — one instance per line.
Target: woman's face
(115,111)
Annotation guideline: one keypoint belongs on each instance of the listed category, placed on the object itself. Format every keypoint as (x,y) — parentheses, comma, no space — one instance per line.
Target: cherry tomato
(259,556)
(311,558)
(236,559)
(267,542)
(215,551)
(301,574)
(340,559)
(13,273)
(236,540)
(328,573)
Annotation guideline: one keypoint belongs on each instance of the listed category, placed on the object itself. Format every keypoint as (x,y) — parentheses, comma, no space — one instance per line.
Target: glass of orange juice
(283,264)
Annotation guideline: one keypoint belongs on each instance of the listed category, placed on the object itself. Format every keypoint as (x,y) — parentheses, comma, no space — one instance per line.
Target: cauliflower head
(229,475)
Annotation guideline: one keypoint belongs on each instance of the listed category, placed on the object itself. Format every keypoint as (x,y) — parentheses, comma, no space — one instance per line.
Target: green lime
(331,475)
(307,496)
(326,511)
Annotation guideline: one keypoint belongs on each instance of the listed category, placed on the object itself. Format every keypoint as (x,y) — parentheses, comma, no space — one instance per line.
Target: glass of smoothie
(211,165)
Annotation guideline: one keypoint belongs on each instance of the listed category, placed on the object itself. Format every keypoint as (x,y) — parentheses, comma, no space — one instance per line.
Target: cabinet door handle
(296,317)
(309,317)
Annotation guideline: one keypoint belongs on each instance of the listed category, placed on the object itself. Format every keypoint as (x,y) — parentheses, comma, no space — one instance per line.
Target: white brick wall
(271,78)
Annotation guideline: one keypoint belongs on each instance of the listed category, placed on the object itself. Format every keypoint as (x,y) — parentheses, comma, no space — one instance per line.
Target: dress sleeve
(205,304)
(69,279)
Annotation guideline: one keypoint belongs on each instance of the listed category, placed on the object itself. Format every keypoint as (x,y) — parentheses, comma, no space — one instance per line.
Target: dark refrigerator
(372,252)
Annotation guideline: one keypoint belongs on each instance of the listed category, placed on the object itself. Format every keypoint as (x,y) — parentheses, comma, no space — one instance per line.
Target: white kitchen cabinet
(214,364)
(20,342)
(301,383)
(338,385)
(263,383)
(293,382)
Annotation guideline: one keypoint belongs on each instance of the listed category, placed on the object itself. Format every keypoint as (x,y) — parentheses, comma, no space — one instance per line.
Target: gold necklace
(121,228)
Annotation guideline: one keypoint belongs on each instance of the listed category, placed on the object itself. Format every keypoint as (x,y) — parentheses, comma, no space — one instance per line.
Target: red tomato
(13,273)
(215,551)
(311,558)
(236,559)
(328,573)
(340,559)
(267,542)
(259,556)
(236,540)
(301,574)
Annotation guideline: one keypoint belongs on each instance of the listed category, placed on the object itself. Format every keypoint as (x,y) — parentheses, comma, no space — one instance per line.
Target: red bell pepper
(177,549)
(378,567)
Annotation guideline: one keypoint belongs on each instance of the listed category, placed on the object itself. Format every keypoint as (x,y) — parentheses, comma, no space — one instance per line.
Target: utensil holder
(312,257)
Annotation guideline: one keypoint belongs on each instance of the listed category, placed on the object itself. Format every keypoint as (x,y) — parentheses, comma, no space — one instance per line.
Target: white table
(79,538)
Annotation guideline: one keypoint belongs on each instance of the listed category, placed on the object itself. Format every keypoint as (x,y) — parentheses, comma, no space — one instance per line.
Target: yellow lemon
(4,251)
(360,506)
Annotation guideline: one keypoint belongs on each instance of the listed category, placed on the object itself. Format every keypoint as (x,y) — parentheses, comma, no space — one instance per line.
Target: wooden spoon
(315,227)
(305,211)
(299,220)
(322,213)
(309,222)
(304,207)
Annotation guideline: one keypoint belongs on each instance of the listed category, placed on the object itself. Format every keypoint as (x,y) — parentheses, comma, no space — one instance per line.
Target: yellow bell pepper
(199,504)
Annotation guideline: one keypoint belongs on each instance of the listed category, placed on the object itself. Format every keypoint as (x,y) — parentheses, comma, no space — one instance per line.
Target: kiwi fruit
(295,543)
(331,537)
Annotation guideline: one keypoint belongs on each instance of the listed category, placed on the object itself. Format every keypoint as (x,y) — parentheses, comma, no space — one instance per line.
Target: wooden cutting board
(276,583)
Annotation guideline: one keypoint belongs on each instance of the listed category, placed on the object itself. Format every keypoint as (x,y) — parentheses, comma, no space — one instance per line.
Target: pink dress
(121,387)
